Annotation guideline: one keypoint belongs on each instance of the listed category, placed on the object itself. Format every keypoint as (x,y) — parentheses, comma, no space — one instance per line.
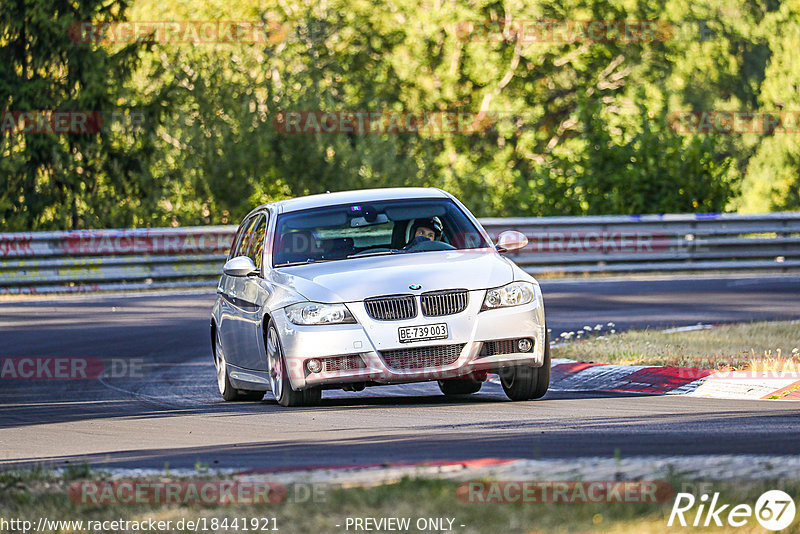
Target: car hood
(359,278)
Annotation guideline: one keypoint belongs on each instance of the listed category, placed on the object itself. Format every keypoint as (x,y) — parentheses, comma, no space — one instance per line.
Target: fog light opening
(314,365)
(524,345)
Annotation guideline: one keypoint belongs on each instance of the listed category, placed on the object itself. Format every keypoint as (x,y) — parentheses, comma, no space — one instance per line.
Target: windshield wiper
(309,261)
(381,253)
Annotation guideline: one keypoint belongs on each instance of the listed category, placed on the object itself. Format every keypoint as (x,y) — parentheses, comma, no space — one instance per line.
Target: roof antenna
(328,192)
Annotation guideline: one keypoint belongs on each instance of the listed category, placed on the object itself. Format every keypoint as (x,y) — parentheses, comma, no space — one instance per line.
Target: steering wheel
(371,249)
(430,245)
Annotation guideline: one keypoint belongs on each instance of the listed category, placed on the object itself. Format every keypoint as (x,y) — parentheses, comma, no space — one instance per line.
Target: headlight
(307,313)
(513,294)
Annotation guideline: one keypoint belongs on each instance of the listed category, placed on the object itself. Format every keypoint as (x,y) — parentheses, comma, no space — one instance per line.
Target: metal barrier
(97,260)
(643,243)
(103,260)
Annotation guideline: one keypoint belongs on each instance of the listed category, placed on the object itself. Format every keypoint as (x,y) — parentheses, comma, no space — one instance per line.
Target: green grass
(727,346)
(33,495)
(784,394)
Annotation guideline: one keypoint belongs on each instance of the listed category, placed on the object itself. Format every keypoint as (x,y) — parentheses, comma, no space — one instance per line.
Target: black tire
(285,395)
(228,392)
(313,396)
(543,372)
(524,382)
(460,386)
(292,398)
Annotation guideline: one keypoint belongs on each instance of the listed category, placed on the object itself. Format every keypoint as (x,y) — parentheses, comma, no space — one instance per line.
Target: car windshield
(347,231)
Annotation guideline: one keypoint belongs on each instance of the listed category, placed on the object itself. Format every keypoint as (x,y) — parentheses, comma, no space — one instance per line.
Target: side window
(255,250)
(237,237)
(240,246)
(235,241)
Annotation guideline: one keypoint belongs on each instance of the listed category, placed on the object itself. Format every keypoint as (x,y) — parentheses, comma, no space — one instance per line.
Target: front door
(240,325)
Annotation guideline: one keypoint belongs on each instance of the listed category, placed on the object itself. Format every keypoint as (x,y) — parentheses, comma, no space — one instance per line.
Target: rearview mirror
(511,240)
(358,222)
(239,266)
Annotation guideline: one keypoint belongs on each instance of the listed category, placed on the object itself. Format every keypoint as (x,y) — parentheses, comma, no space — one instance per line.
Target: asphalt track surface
(173,415)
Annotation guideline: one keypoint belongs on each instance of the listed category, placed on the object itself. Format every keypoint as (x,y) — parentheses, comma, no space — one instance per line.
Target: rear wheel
(226,389)
(524,382)
(279,375)
(460,386)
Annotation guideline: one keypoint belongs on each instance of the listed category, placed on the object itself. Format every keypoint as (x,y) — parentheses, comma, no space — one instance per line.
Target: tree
(772,181)
(567,126)
(82,177)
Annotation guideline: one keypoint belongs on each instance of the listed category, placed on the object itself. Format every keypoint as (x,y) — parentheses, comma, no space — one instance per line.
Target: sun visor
(333,218)
(416,212)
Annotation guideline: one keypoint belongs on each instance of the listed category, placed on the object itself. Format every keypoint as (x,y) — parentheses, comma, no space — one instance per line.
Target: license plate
(409,334)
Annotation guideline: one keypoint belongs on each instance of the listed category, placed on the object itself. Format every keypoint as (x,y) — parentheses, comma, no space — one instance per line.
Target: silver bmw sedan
(365,288)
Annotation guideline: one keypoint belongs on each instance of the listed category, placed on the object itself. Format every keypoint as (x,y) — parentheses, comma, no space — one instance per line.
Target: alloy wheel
(275,362)
(220,363)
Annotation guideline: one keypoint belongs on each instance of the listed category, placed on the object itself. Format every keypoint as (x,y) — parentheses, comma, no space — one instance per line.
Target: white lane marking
(698,326)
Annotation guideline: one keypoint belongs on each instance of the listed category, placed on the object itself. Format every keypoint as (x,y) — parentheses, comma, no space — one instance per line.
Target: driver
(425,230)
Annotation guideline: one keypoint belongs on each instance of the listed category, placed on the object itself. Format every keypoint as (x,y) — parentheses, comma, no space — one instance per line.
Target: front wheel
(524,382)
(279,375)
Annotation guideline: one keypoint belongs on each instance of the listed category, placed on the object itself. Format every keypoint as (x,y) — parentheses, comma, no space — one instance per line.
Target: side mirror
(511,240)
(239,266)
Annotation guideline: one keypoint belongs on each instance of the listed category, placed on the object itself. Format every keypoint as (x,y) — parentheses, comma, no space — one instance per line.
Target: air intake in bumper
(343,363)
(506,346)
(422,357)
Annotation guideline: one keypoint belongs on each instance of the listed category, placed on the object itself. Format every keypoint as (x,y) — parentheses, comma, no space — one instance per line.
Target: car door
(242,337)
(232,313)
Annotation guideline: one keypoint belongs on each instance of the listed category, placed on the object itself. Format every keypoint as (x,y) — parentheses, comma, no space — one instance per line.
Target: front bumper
(369,340)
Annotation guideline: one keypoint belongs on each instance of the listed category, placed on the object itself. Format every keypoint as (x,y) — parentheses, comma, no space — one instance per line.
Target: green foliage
(571,127)
(772,180)
(80,179)
(652,169)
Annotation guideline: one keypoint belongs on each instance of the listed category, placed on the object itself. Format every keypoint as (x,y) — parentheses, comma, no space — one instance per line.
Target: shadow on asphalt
(595,437)
(34,403)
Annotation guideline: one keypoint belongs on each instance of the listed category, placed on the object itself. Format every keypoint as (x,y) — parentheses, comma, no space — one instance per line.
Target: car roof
(348,197)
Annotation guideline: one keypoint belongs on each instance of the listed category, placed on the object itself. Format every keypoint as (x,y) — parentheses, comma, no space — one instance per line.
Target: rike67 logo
(774,510)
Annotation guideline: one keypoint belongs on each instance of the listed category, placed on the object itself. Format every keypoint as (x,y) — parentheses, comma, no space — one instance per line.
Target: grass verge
(770,345)
(33,495)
